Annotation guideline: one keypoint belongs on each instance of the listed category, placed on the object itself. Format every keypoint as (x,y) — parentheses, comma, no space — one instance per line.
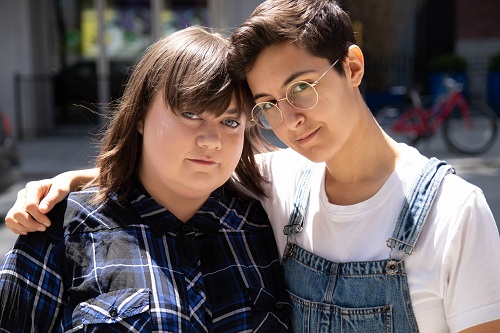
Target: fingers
(19,220)
(34,193)
(22,223)
(25,216)
(34,201)
(55,195)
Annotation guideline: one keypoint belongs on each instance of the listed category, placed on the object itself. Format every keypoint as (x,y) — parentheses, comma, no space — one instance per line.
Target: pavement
(44,157)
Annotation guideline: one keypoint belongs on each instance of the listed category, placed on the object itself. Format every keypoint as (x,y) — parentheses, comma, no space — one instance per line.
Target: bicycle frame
(421,122)
(466,128)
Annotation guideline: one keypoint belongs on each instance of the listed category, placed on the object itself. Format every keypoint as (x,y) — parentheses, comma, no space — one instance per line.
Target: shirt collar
(162,221)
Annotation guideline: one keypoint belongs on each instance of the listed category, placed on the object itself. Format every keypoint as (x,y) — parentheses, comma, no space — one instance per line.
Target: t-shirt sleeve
(472,266)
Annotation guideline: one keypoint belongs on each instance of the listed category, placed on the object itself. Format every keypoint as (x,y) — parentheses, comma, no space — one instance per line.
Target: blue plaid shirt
(132,266)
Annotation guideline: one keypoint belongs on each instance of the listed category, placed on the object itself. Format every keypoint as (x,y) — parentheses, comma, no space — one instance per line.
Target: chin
(313,154)
(199,186)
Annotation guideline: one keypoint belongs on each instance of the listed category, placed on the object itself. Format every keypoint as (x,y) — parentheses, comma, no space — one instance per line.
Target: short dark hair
(320,27)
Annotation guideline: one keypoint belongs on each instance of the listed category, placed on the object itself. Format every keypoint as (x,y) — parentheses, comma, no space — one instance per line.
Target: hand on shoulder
(38,197)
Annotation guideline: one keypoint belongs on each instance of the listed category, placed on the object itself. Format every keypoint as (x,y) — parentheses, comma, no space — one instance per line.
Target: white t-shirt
(454,273)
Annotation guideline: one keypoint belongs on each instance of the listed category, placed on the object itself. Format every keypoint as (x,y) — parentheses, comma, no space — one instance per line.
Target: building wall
(477,39)
(479,19)
(229,14)
(16,50)
(477,31)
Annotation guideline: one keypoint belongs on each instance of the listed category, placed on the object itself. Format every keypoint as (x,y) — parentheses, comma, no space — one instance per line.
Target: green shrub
(448,62)
(495,62)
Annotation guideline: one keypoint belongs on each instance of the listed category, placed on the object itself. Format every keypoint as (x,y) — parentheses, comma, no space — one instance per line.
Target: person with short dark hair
(387,239)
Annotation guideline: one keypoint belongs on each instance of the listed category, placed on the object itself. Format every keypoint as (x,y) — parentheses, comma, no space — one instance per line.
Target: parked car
(10,170)
(76,91)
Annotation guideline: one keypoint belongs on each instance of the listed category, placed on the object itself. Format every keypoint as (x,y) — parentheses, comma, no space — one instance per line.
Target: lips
(203,161)
(307,137)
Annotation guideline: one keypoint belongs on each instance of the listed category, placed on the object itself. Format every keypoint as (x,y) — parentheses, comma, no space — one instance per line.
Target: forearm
(492,326)
(78,178)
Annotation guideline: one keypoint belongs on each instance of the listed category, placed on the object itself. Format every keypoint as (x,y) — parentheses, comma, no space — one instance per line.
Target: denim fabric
(416,208)
(357,296)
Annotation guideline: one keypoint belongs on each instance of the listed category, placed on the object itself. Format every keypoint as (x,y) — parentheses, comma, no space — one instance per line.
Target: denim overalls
(358,296)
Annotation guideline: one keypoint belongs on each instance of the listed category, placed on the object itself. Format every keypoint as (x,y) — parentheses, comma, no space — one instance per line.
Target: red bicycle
(468,128)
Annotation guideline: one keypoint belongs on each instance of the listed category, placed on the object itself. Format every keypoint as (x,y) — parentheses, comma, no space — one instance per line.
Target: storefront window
(128,32)
(128,25)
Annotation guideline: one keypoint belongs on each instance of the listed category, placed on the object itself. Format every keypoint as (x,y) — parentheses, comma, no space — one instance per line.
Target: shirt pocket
(269,312)
(125,310)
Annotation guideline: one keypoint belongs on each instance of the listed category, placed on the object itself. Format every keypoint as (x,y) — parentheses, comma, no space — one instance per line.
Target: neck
(184,209)
(367,160)
(183,206)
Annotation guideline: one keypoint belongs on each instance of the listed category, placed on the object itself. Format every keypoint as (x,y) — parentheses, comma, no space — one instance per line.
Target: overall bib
(358,296)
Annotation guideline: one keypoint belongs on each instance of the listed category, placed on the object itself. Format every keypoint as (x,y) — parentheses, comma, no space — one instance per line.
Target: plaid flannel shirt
(132,266)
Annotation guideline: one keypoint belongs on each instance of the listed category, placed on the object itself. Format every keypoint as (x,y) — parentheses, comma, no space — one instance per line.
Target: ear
(140,126)
(356,64)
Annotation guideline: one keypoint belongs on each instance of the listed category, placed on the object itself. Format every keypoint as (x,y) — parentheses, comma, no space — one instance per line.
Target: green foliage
(448,62)
(495,62)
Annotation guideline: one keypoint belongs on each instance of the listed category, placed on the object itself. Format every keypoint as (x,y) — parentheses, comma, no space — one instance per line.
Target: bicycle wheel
(388,117)
(474,138)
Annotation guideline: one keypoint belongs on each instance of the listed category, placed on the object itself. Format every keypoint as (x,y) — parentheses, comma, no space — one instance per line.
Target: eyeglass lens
(300,95)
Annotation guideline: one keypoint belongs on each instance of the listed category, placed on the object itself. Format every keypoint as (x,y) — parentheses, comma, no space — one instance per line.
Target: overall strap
(296,219)
(417,205)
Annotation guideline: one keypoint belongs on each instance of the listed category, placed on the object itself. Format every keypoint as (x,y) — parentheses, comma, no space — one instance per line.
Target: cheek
(234,148)
(161,141)
(280,133)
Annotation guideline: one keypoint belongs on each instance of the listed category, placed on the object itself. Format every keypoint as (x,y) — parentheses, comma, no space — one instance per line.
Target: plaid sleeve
(31,284)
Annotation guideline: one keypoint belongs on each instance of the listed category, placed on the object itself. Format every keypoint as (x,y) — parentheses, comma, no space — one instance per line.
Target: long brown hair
(190,68)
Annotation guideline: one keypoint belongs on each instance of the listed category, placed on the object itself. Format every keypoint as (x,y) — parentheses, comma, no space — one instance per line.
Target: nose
(209,137)
(292,117)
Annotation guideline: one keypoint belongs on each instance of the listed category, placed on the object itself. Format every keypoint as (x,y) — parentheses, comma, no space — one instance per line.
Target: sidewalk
(45,157)
(48,156)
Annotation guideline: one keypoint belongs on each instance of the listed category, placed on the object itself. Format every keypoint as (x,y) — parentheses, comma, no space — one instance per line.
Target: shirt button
(197,288)
(186,228)
(113,312)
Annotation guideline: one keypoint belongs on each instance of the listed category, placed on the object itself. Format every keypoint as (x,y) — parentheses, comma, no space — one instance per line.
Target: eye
(299,87)
(231,123)
(190,115)
(266,106)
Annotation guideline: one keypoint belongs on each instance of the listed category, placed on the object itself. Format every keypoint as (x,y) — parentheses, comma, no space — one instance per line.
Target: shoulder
(464,206)
(460,195)
(458,203)
(453,186)
(286,160)
(79,212)
(283,169)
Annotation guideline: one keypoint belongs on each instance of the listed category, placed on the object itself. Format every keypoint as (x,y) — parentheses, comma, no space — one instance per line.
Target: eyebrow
(288,80)
(234,110)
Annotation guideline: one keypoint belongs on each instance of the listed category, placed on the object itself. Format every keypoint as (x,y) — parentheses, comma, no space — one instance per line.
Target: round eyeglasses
(301,95)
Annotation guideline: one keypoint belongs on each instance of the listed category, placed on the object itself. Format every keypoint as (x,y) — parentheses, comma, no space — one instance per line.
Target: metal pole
(18,106)
(102,61)
(156,10)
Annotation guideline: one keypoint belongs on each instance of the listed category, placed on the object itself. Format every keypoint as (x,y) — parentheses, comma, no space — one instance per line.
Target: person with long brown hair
(162,240)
